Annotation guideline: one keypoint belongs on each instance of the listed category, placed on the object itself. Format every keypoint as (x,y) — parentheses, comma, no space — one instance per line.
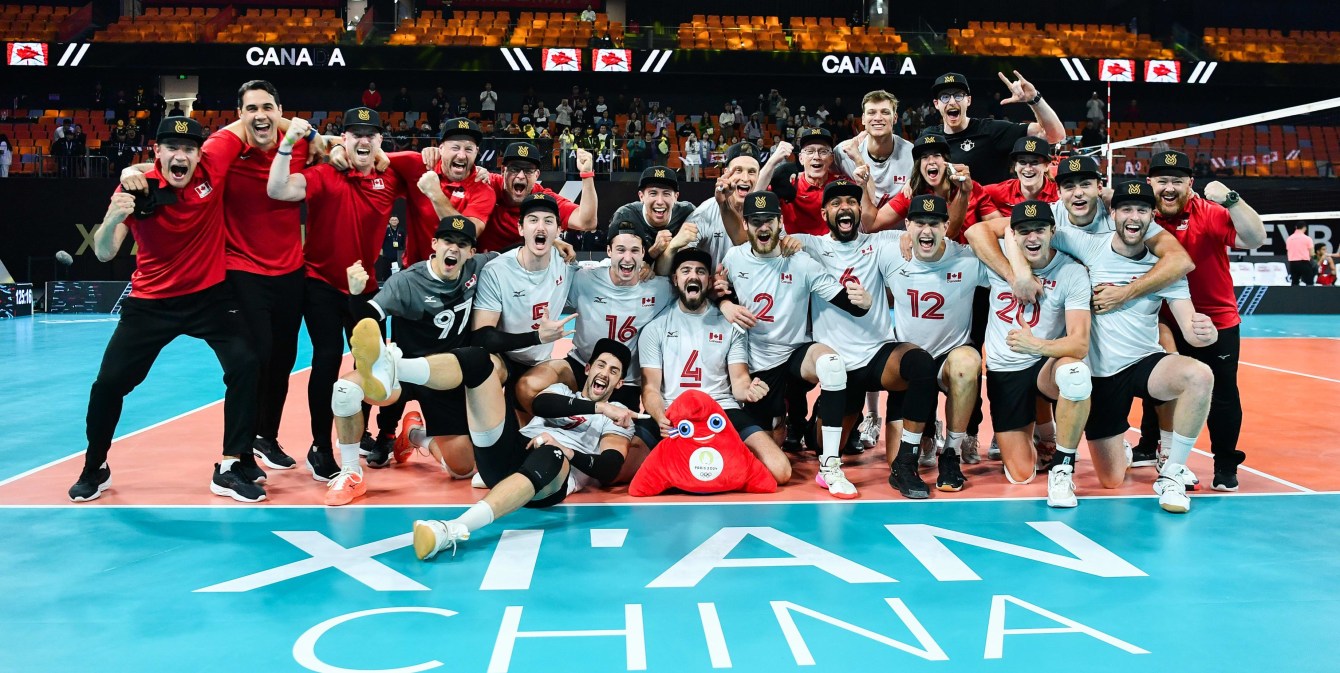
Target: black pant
(272,309)
(1302,272)
(149,325)
(330,323)
(1225,421)
(981,310)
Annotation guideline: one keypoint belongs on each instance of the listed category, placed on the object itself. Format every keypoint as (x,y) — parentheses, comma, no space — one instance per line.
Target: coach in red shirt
(521,170)
(803,212)
(1207,226)
(451,191)
(177,288)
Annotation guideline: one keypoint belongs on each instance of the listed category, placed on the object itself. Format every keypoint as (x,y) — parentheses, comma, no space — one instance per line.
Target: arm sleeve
(557,401)
(494,340)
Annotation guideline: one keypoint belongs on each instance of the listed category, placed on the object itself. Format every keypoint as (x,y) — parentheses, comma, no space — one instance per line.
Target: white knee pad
(832,372)
(454,475)
(488,437)
(346,399)
(1075,381)
(1010,478)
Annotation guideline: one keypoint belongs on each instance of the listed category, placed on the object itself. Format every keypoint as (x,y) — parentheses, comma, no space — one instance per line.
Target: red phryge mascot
(703,454)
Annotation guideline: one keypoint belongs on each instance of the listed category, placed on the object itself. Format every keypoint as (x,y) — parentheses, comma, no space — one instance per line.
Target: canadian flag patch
(786,278)
(714,337)
(955,277)
(648,301)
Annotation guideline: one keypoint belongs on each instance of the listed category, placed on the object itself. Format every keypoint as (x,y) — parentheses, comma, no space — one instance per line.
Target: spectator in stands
(1299,249)
(567,144)
(439,108)
(176,110)
(692,159)
(66,126)
(563,116)
(753,131)
(588,15)
(660,151)
(722,145)
(488,103)
(64,150)
(726,120)
(529,100)
(1092,135)
(1202,168)
(157,107)
(822,114)
(463,107)
(402,102)
(331,129)
(427,137)
(541,115)
(602,112)
(637,152)
(6,155)
(120,150)
(403,138)
(97,101)
(372,98)
(774,101)
(121,106)
(1095,110)
(513,130)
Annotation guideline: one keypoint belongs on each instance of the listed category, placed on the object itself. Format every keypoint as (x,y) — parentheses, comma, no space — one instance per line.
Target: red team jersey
(979,208)
(181,245)
(805,215)
(1004,196)
(503,230)
(264,235)
(471,198)
(346,221)
(1206,231)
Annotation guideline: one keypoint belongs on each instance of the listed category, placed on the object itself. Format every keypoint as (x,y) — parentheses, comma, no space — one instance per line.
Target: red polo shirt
(979,207)
(264,235)
(469,197)
(346,221)
(1206,231)
(504,230)
(805,214)
(1004,196)
(181,245)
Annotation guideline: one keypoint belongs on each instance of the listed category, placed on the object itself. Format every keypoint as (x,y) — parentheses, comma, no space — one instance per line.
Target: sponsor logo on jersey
(599,300)
(742,274)
(518,293)
(786,278)
(955,277)
(430,299)
(558,281)
(714,337)
(672,335)
(204,189)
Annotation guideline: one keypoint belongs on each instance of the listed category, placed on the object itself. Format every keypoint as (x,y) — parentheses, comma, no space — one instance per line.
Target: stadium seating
(28,22)
(561,29)
(990,38)
(285,26)
(804,33)
(158,25)
(463,29)
(1272,46)
(1279,150)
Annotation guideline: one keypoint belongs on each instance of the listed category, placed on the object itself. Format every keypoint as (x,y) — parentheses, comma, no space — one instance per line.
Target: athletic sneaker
(380,454)
(903,477)
(477,481)
(795,440)
(345,487)
(830,476)
(951,479)
(374,359)
(1142,455)
(432,536)
(1172,494)
(250,470)
(1223,481)
(853,447)
(322,464)
(927,449)
(404,448)
(91,484)
(970,450)
(1061,487)
(272,454)
(235,485)
(993,451)
(1188,478)
(870,430)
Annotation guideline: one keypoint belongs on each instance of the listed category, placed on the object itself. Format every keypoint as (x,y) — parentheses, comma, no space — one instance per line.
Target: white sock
(1045,431)
(1166,440)
(349,456)
(224,465)
(413,370)
(832,441)
(913,438)
(1181,448)
(419,437)
(478,516)
(955,440)
(872,403)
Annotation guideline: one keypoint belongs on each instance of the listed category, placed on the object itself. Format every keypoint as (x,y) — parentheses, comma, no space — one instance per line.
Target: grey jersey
(932,301)
(888,176)
(616,311)
(1065,287)
(1125,336)
(1102,222)
(519,296)
(712,235)
(435,311)
(777,290)
(578,433)
(867,259)
(694,351)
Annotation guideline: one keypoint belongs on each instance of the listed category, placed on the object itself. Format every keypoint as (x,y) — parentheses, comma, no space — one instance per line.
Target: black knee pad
(542,465)
(917,365)
(918,369)
(476,365)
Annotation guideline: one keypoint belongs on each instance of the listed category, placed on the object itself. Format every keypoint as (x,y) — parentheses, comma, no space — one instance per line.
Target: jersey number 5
(537,312)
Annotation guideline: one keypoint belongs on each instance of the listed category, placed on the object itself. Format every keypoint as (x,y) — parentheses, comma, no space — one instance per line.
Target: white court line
(1290,371)
(1271,477)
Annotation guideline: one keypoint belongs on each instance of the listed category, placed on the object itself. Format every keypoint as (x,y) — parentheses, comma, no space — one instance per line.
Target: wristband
(311,134)
(283,152)
(1036,99)
(588,174)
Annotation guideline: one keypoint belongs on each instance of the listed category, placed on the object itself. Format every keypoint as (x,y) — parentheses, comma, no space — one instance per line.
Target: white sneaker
(928,451)
(1061,487)
(830,476)
(993,452)
(432,536)
(1130,454)
(870,430)
(374,359)
(969,452)
(1189,478)
(1172,494)
(477,481)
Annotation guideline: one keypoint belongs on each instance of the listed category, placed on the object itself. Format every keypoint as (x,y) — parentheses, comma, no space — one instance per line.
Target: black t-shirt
(984,147)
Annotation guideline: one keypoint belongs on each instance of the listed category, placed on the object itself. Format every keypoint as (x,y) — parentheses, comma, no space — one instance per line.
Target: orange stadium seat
(986,38)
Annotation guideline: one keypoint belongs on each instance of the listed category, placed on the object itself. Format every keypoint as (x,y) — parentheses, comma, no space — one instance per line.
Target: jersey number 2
(932,312)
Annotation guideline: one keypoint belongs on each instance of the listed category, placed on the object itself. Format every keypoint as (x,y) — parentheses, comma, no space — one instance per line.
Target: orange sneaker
(403,447)
(345,487)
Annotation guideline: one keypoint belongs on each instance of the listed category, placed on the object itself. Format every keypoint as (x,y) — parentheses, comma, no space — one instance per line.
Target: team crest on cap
(364,115)
(1031,210)
(462,124)
(182,127)
(1133,188)
(928,205)
(760,202)
(1031,146)
(949,78)
(1170,159)
(660,172)
(457,223)
(523,151)
(1075,164)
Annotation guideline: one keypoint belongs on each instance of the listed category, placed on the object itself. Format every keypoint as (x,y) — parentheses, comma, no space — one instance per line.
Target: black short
(867,379)
(1112,397)
(745,426)
(443,410)
(628,394)
(780,379)
(1014,397)
(504,457)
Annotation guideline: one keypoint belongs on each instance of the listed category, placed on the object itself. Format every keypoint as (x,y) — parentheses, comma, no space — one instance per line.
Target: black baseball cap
(617,229)
(456,228)
(928,204)
(180,127)
(1170,161)
(950,80)
(691,253)
(362,116)
(1077,167)
(813,134)
(461,126)
(930,142)
(1134,190)
(615,348)
(782,183)
(659,175)
(538,201)
(1032,211)
(838,188)
(761,203)
(742,149)
(1029,145)
(522,152)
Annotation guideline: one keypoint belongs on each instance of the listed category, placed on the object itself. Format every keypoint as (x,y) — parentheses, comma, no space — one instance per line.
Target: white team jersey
(1125,336)
(693,351)
(865,259)
(932,301)
(1102,222)
(1065,287)
(579,433)
(520,295)
(888,176)
(712,235)
(777,290)
(618,312)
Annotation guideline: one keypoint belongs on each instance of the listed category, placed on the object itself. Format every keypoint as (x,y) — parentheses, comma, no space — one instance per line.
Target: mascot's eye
(716,422)
(685,428)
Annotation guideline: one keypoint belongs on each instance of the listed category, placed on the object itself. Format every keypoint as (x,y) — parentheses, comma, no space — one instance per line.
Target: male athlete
(717,225)
(446,188)
(1032,179)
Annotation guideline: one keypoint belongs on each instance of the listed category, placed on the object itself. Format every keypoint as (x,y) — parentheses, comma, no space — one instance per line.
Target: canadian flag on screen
(562,59)
(27,53)
(1116,70)
(611,60)
(1163,71)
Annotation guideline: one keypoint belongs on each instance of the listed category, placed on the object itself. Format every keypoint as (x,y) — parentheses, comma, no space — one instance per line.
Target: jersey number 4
(447,318)
(691,377)
(935,302)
